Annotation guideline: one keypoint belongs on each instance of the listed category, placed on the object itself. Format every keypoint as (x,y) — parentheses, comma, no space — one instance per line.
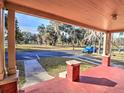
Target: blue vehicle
(89,49)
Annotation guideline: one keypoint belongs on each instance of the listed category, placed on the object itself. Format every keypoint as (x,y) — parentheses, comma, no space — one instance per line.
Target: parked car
(89,49)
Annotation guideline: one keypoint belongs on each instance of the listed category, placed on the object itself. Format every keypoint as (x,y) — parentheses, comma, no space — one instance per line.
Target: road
(32,54)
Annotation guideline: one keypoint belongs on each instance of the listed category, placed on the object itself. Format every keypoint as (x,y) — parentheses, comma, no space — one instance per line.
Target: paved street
(33,54)
(26,55)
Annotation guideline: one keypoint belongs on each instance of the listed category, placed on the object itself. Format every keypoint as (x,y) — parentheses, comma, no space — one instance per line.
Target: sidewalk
(34,73)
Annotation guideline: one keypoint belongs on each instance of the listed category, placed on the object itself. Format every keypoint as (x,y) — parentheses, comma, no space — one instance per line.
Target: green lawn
(116,57)
(55,65)
(20,67)
(44,47)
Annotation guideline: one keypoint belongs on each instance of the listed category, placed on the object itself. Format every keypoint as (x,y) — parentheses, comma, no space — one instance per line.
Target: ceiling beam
(39,13)
(116,30)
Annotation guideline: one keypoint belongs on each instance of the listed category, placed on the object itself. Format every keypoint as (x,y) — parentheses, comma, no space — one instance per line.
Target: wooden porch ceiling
(95,14)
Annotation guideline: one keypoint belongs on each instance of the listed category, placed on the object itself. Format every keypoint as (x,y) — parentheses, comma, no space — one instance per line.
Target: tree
(117,40)
(92,38)
(53,38)
(41,29)
(74,34)
(63,38)
(66,33)
(34,39)
(48,35)
(52,35)
(19,36)
(27,37)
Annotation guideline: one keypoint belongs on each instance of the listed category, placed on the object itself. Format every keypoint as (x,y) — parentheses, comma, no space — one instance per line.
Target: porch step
(63,74)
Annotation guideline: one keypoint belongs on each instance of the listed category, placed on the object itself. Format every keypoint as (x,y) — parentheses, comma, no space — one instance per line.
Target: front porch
(100,79)
(106,17)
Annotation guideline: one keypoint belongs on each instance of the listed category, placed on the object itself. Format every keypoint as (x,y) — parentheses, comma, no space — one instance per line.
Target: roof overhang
(94,14)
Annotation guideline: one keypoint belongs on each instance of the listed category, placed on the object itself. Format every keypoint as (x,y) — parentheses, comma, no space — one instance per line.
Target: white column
(107,43)
(1,45)
(106,49)
(11,42)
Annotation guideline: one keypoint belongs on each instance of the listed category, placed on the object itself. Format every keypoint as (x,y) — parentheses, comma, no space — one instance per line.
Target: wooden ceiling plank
(95,14)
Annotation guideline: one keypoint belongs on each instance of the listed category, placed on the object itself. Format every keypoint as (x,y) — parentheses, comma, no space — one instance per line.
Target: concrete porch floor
(100,79)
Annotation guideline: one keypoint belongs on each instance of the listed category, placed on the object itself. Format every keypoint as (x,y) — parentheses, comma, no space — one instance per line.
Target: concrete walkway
(34,73)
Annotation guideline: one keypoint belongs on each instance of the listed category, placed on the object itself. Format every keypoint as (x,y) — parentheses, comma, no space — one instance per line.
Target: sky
(30,23)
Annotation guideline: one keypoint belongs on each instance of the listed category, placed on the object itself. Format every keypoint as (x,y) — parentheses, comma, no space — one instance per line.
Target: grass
(44,47)
(116,57)
(55,65)
(20,67)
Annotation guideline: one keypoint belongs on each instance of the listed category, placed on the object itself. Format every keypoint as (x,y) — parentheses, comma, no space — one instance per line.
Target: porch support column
(1,45)
(11,42)
(106,49)
(73,70)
